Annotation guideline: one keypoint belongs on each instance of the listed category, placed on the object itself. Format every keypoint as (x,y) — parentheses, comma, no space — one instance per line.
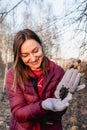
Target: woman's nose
(32,57)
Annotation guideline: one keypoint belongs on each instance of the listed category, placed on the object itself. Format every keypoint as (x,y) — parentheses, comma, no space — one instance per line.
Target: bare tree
(76,16)
(5,12)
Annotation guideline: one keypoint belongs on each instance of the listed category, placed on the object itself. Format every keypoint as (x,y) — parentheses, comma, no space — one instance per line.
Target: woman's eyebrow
(27,52)
(35,48)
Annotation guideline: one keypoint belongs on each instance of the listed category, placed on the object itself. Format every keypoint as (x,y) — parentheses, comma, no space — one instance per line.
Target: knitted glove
(70,80)
(55,105)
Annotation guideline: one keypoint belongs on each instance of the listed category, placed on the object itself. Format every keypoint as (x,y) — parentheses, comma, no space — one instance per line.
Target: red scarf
(40,76)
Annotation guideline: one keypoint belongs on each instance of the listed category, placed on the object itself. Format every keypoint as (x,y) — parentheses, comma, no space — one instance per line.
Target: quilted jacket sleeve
(21,111)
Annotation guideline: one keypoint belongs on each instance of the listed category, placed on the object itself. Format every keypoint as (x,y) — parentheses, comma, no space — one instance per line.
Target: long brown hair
(19,66)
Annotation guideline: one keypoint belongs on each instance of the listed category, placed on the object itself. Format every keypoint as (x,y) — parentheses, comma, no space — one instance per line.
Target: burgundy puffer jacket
(25,105)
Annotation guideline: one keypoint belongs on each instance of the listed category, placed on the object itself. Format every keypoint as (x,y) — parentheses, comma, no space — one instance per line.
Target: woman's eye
(24,55)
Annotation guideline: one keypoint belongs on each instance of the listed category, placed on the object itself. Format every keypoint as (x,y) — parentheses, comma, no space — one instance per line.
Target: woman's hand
(54,104)
(70,80)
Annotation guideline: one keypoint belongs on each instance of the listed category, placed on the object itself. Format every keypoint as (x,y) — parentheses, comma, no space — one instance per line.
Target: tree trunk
(6,68)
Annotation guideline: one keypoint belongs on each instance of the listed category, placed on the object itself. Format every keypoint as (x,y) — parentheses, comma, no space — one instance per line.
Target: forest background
(61,25)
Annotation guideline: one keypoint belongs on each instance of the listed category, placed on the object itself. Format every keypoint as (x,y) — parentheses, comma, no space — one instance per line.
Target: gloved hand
(54,104)
(70,80)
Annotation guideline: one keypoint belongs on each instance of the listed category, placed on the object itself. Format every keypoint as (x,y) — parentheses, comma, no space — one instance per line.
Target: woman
(31,85)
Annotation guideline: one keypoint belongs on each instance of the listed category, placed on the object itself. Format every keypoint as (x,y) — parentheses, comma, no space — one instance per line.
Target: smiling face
(32,54)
